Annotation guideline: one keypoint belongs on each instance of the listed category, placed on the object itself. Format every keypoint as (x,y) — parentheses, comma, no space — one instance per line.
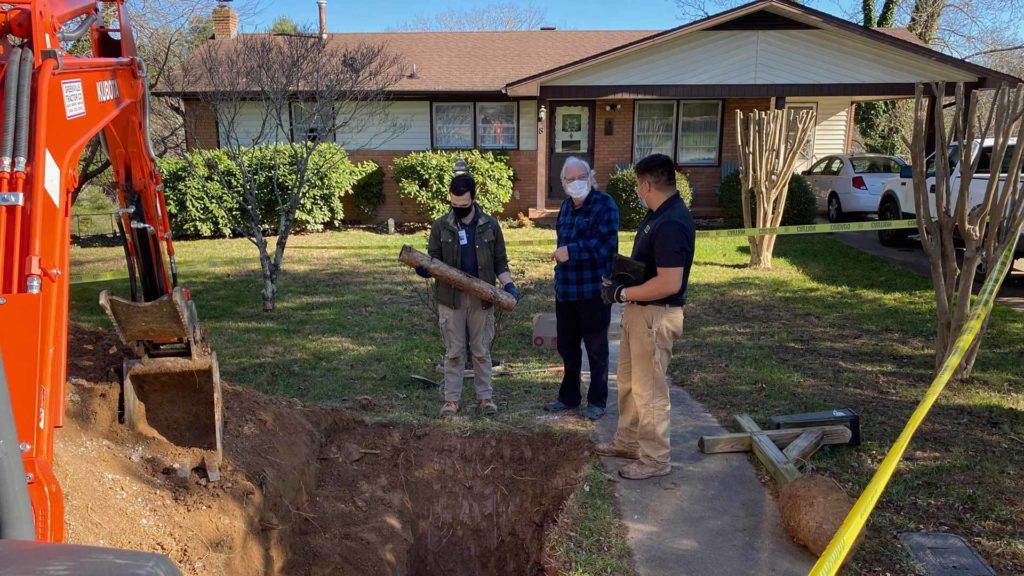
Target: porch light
(542,113)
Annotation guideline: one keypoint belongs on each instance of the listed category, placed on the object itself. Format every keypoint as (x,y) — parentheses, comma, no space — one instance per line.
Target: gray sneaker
(593,413)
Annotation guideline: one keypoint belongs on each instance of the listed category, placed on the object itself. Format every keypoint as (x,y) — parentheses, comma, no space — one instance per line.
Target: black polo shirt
(665,239)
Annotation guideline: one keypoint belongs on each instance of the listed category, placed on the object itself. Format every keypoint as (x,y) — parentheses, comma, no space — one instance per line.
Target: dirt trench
(307,490)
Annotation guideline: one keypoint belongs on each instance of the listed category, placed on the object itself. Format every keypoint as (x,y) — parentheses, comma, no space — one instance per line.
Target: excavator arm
(54,104)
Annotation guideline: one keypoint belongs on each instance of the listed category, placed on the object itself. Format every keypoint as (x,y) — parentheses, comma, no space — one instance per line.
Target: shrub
(425,176)
(368,191)
(204,189)
(622,188)
(801,204)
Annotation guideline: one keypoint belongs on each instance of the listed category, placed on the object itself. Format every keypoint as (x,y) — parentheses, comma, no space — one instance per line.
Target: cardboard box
(545,331)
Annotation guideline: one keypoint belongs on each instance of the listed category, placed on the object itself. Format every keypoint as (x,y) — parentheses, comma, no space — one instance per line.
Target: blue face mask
(642,201)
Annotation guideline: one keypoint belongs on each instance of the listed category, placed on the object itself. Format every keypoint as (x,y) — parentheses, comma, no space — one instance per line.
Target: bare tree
(769,146)
(988,223)
(296,90)
(493,17)
(166,34)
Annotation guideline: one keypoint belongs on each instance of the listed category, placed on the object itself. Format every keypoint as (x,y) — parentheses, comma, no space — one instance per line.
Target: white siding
(764,57)
(527,124)
(393,126)
(832,126)
(248,124)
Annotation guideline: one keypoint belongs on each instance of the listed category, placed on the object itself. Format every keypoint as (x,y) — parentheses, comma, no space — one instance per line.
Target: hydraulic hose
(23,110)
(16,522)
(76,34)
(146,110)
(9,112)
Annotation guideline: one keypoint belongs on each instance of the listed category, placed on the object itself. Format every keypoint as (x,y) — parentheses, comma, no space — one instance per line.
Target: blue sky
(379,15)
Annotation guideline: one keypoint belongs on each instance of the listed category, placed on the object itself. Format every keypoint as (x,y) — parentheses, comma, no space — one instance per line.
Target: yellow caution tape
(834,556)
(811,229)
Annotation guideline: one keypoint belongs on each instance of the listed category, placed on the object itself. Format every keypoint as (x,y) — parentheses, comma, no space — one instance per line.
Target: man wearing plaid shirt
(588,229)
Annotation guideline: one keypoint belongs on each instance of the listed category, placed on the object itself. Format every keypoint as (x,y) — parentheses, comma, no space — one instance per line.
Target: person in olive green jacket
(470,240)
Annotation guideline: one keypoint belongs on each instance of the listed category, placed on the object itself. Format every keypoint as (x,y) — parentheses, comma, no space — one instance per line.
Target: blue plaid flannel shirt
(592,234)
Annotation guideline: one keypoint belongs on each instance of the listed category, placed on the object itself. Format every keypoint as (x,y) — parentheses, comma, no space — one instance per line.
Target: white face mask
(578,189)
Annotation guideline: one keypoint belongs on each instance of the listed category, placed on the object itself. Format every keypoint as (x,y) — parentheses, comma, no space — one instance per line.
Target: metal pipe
(16,522)
(22,113)
(9,112)
(76,34)
(146,111)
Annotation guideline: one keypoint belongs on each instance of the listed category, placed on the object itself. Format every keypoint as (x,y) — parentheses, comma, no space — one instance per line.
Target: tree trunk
(767,157)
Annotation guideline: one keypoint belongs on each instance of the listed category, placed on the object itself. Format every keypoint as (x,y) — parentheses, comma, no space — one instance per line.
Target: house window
(312,122)
(496,125)
(807,151)
(653,128)
(699,130)
(453,125)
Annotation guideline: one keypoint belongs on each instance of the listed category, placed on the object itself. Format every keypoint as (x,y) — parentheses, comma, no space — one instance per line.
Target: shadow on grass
(339,333)
(848,330)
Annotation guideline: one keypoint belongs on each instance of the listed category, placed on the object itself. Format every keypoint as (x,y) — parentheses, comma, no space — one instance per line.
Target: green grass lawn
(90,213)
(830,327)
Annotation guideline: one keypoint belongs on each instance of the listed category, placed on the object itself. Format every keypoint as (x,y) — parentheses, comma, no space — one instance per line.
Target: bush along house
(613,97)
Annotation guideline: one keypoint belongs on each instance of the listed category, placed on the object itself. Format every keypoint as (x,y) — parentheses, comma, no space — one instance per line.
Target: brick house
(615,96)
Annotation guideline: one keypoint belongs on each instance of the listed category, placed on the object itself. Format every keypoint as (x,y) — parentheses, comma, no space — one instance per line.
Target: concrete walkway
(711,516)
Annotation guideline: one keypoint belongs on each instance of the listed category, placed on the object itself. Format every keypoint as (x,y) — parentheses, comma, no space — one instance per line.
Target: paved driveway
(912,257)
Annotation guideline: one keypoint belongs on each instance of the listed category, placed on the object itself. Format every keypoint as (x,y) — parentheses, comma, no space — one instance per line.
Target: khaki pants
(644,355)
(454,323)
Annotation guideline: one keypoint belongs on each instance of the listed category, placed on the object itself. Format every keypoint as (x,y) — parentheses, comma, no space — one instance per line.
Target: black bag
(627,271)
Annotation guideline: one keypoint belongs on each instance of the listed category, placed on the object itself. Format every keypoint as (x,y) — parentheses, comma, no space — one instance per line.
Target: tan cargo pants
(644,355)
(454,322)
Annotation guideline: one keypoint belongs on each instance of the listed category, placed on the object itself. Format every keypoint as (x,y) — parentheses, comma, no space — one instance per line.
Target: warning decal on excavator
(51,179)
(74,98)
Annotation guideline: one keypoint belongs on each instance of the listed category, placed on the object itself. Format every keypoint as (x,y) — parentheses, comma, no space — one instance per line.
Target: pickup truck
(897,200)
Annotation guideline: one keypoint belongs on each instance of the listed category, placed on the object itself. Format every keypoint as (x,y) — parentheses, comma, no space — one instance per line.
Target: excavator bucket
(173,388)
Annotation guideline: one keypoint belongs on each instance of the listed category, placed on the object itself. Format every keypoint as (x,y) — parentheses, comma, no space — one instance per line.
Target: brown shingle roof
(902,34)
(480,61)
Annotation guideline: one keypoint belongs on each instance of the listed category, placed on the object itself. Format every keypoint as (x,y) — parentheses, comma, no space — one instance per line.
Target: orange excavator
(54,104)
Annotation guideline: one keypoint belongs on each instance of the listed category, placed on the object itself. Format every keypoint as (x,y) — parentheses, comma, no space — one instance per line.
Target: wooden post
(741,442)
(457,278)
(778,465)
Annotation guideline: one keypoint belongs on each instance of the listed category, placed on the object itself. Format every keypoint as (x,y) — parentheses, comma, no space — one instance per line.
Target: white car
(851,184)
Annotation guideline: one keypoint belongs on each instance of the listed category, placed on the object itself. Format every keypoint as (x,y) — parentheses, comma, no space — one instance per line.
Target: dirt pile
(306,490)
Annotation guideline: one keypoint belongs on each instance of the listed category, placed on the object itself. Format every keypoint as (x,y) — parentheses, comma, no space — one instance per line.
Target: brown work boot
(615,451)
(449,409)
(488,407)
(641,471)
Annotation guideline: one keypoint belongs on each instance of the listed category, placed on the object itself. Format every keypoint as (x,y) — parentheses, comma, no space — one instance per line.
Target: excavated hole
(306,490)
(432,503)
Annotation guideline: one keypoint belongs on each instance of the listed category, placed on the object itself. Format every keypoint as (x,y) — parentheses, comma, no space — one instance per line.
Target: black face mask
(462,211)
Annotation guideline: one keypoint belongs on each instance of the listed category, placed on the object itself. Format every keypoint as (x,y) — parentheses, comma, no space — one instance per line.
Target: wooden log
(804,446)
(740,442)
(458,279)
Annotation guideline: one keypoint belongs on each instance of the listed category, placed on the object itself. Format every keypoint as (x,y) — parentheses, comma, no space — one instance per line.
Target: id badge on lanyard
(462,237)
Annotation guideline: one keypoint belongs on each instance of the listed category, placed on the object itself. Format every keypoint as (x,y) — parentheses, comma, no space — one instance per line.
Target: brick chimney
(322,4)
(225,21)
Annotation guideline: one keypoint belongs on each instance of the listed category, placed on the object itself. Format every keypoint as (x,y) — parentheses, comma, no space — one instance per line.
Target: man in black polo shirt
(651,321)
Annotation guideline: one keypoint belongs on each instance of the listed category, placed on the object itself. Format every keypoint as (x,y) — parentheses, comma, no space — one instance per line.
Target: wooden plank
(804,446)
(457,278)
(740,441)
(767,452)
(778,465)
(746,423)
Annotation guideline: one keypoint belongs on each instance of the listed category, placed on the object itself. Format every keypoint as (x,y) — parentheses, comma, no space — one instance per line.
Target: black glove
(611,291)
(423,272)
(511,289)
